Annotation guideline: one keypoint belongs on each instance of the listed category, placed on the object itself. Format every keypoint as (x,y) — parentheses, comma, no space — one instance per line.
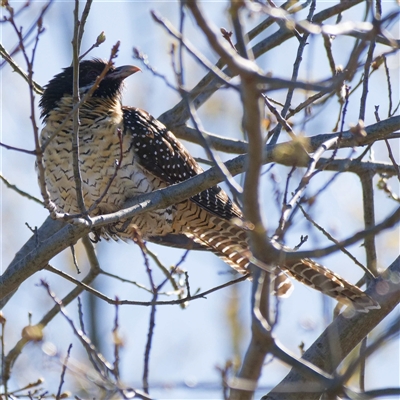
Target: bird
(125,152)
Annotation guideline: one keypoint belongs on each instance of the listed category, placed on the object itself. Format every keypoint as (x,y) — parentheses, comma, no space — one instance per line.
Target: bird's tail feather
(230,243)
(328,282)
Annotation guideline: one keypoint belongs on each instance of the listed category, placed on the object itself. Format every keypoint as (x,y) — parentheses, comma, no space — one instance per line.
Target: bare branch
(64,369)
(331,238)
(19,191)
(3,52)
(14,353)
(35,258)
(346,332)
(222,78)
(288,207)
(389,222)
(151,303)
(369,221)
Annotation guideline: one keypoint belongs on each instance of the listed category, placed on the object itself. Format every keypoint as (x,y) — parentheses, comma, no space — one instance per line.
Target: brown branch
(295,73)
(19,191)
(100,364)
(288,207)
(222,78)
(369,220)
(33,258)
(343,334)
(19,346)
(151,303)
(75,100)
(367,67)
(389,222)
(392,159)
(209,84)
(332,239)
(261,343)
(30,63)
(117,344)
(64,369)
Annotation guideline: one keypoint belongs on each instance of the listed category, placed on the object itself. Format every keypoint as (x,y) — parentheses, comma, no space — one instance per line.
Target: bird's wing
(160,153)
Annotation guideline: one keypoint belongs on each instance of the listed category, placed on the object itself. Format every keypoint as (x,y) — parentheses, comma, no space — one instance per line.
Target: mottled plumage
(146,156)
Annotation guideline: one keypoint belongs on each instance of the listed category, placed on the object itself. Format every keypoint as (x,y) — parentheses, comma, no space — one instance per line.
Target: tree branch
(32,258)
(343,334)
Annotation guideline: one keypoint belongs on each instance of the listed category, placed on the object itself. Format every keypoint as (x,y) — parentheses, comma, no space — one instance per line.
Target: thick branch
(343,335)
(379,131)
(38,251)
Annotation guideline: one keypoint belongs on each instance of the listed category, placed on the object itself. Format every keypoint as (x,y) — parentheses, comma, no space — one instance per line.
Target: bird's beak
(123,72)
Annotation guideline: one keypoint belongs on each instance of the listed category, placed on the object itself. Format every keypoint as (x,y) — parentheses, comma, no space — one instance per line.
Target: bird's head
(62,84)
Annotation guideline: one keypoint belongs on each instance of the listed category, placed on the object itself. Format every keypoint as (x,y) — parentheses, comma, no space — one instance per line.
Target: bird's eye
(92,75)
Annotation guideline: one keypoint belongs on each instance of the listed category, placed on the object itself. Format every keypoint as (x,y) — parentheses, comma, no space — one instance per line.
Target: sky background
(188,344)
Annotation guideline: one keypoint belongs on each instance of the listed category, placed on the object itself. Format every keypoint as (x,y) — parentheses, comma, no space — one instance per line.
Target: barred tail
(229,242)
(328,282)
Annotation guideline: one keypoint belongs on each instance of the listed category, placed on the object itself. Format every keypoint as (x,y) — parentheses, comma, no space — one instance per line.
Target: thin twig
(80,314)
(17,349)
(241,40)
(99,40)
(289,207)
(236,189)
(8,147)
(117,343)
(328,48)
(75,261)
(76,42)
(367,67)
(296,67)
(36,87)
(29,63)
(389,85)
(32,28)
(150,332)
(82,24)
(98,361)
(168,274)
(19,191)
(222,78)
(180,75)
(282,121)
(202,295)
(392,159)
(139,285)
(389,222)
(64,369)
(331,238)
